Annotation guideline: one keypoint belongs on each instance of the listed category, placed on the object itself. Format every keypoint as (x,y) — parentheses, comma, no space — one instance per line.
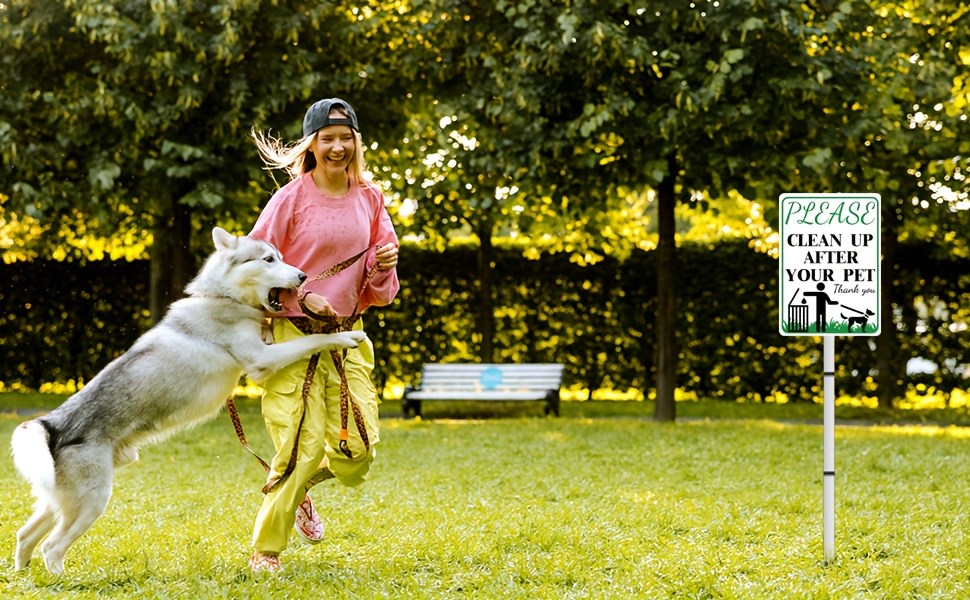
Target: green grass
(832,327)
(711,409)
(689,410)
(573,507)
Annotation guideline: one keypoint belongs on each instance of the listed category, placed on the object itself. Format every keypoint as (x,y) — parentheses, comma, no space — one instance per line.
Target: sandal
(259,562)
(308,524)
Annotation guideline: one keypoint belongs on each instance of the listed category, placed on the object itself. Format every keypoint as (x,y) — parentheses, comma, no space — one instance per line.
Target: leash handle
(336,268)
(333,322)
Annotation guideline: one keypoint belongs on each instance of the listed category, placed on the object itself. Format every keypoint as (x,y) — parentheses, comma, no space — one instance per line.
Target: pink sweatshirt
(315,232)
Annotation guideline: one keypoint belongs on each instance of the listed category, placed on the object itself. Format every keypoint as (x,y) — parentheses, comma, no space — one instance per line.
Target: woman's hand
(386,257)
(318,304)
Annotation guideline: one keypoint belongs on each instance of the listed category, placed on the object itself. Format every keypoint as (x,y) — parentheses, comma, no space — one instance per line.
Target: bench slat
(516,378)
(490,395)
(479,387)
(502,367)
(479,368)
(458,385)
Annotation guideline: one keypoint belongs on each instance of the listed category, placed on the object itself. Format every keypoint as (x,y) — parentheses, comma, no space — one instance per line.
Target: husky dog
(177,375)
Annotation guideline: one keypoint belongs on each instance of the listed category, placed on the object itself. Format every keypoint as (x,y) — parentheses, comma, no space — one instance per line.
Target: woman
(326,214)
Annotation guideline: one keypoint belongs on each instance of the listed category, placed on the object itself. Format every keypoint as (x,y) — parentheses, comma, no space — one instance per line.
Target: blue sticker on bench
(491,378)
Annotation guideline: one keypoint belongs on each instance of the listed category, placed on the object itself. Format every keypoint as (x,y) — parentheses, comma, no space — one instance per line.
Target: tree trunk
(486,304)
(665,409)
(887,344)
(171,259)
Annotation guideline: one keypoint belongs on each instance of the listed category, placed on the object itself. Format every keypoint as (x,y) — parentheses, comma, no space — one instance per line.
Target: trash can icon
(797,315)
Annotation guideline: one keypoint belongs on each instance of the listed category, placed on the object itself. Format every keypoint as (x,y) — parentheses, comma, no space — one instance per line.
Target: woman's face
(334,147)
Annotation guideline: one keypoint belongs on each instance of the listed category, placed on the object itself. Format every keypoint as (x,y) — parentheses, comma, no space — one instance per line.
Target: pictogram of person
(822,300)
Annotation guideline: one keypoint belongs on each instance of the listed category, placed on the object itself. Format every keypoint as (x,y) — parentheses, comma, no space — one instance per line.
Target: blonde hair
(296,158)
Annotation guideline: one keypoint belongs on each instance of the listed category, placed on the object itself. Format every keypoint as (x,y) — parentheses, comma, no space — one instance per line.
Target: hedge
(64,321)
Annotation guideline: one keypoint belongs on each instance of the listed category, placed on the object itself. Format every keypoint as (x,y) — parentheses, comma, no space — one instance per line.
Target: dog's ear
(223,239)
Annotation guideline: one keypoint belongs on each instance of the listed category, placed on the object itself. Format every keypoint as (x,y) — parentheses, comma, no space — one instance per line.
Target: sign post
(828,277)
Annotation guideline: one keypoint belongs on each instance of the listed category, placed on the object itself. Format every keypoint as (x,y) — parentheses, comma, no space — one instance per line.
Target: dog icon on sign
(860,321)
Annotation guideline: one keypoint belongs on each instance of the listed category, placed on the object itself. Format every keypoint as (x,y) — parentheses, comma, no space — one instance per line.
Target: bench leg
(552,404)
(410,406)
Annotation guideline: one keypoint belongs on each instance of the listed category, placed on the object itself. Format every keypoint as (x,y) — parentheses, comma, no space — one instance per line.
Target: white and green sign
(829,264)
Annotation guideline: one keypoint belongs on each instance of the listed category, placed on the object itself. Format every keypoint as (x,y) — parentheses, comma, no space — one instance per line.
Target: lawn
(929,410)
(531,507)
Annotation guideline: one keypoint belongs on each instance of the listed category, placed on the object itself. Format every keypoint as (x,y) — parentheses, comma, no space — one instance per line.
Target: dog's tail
(32,456)
(845,317)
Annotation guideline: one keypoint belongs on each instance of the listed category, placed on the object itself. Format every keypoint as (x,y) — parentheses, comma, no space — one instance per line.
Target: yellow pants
(282,407)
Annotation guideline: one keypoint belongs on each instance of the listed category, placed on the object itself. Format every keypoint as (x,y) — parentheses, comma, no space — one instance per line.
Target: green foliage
(546,119)
(60,322)
(113,113)
(504,509)
(596,319)
(893,122)
(579,105)
(935,294)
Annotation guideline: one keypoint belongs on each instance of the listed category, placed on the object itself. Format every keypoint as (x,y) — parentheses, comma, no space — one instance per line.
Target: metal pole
(828,448)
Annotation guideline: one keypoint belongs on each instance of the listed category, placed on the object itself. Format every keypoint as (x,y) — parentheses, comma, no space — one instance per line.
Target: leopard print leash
(317,323)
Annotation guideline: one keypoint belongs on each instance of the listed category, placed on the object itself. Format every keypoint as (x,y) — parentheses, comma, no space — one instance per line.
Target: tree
(893,126)
(580,104)
(122,113)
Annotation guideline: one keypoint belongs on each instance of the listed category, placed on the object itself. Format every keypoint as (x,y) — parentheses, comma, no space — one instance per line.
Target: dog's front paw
(357,335)
(350,339)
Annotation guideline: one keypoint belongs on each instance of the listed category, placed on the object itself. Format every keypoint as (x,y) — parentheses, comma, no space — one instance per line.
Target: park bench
(485,382)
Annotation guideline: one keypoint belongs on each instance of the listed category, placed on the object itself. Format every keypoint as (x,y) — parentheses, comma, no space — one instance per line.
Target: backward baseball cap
(318,116)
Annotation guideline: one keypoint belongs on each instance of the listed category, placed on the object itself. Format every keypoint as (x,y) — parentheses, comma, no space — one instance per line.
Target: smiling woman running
(327,213)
